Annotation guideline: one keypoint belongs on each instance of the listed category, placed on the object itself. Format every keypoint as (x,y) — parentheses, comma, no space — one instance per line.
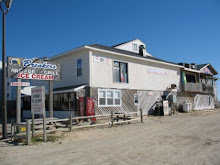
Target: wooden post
(28,132)
(18,103)
(112,118)
(12,129)
(70,123)
(50,98)
(44,126)
(33,125)
(141,113)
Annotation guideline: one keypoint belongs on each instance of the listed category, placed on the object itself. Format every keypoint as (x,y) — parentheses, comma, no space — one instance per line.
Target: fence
(30,126)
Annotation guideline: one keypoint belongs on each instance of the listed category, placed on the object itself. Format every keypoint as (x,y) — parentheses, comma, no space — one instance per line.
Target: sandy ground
(192,138)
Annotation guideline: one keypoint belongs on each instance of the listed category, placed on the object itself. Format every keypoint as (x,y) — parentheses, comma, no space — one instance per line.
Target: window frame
(134,47)
(106,97)
(119,67)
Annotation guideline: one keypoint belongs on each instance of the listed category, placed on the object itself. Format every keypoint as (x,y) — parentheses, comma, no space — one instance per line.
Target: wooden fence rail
(32,124)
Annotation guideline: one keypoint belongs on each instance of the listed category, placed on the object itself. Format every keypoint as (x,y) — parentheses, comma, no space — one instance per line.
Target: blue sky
(174,30)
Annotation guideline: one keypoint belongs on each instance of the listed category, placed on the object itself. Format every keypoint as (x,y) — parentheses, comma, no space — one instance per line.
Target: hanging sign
(35,69)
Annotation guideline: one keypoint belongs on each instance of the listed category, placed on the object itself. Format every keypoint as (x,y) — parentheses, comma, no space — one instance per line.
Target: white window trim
(78,67)
(113,90)
(134,47)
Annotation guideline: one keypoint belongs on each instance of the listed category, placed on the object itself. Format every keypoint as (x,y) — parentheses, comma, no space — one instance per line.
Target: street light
(4,101)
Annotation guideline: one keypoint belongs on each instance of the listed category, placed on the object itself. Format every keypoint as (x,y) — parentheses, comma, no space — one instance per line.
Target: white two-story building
(123,78)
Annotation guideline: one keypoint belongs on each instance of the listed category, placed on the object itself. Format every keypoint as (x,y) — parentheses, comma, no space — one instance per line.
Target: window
(117,97)
(190,78)
(79,67)
(120,72)
(108,97)
(136,99)
(63,102)
(209,81)
(102,97)
(134,47)
(71,101)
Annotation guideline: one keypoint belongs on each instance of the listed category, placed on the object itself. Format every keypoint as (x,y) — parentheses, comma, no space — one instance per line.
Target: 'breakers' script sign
(35,69)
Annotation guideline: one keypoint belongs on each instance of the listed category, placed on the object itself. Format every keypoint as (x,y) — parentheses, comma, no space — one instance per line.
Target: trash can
(158,111)
(187,106)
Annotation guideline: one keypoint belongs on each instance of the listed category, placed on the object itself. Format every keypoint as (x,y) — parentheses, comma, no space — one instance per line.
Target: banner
(35,69)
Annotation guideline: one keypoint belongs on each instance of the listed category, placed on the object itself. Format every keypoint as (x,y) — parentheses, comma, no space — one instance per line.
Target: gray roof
(132,54)
(200,66)
(123,43)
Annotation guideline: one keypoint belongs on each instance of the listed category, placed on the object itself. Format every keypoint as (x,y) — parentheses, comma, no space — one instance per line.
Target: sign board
(38,100)
(102,60)
(156,71)
(35,69)
(27,84)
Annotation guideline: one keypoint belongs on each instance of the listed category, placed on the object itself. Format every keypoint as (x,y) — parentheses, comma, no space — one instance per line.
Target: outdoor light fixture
(4,100)
(8,4)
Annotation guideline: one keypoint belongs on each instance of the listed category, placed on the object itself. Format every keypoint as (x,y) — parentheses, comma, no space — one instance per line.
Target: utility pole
(4,97)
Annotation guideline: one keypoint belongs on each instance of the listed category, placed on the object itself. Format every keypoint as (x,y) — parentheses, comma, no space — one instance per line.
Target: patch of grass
(40,139)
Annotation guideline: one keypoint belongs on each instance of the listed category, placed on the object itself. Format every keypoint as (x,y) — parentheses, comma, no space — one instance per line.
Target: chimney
(142,51)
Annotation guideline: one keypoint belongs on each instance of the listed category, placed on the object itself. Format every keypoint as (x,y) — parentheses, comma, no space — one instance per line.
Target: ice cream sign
(33,69)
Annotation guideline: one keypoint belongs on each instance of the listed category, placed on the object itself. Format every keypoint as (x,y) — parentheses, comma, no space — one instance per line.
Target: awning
(26,91)
(69,89)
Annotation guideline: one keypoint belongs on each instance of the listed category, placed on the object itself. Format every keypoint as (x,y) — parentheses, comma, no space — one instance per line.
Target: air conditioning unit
(173,86)
(182,64)
(193,66)
(188,65)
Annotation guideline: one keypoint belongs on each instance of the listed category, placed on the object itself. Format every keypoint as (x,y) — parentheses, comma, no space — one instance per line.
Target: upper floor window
(79,67)
(120,72)
(134,47)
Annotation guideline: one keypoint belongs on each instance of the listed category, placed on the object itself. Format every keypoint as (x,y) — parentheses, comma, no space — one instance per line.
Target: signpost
(35,69)
(38,106)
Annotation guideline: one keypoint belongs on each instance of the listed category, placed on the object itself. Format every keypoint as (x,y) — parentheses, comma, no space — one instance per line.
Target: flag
(183,77)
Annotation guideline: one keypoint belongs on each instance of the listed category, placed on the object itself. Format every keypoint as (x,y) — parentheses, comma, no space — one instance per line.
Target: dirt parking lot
(185,138)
